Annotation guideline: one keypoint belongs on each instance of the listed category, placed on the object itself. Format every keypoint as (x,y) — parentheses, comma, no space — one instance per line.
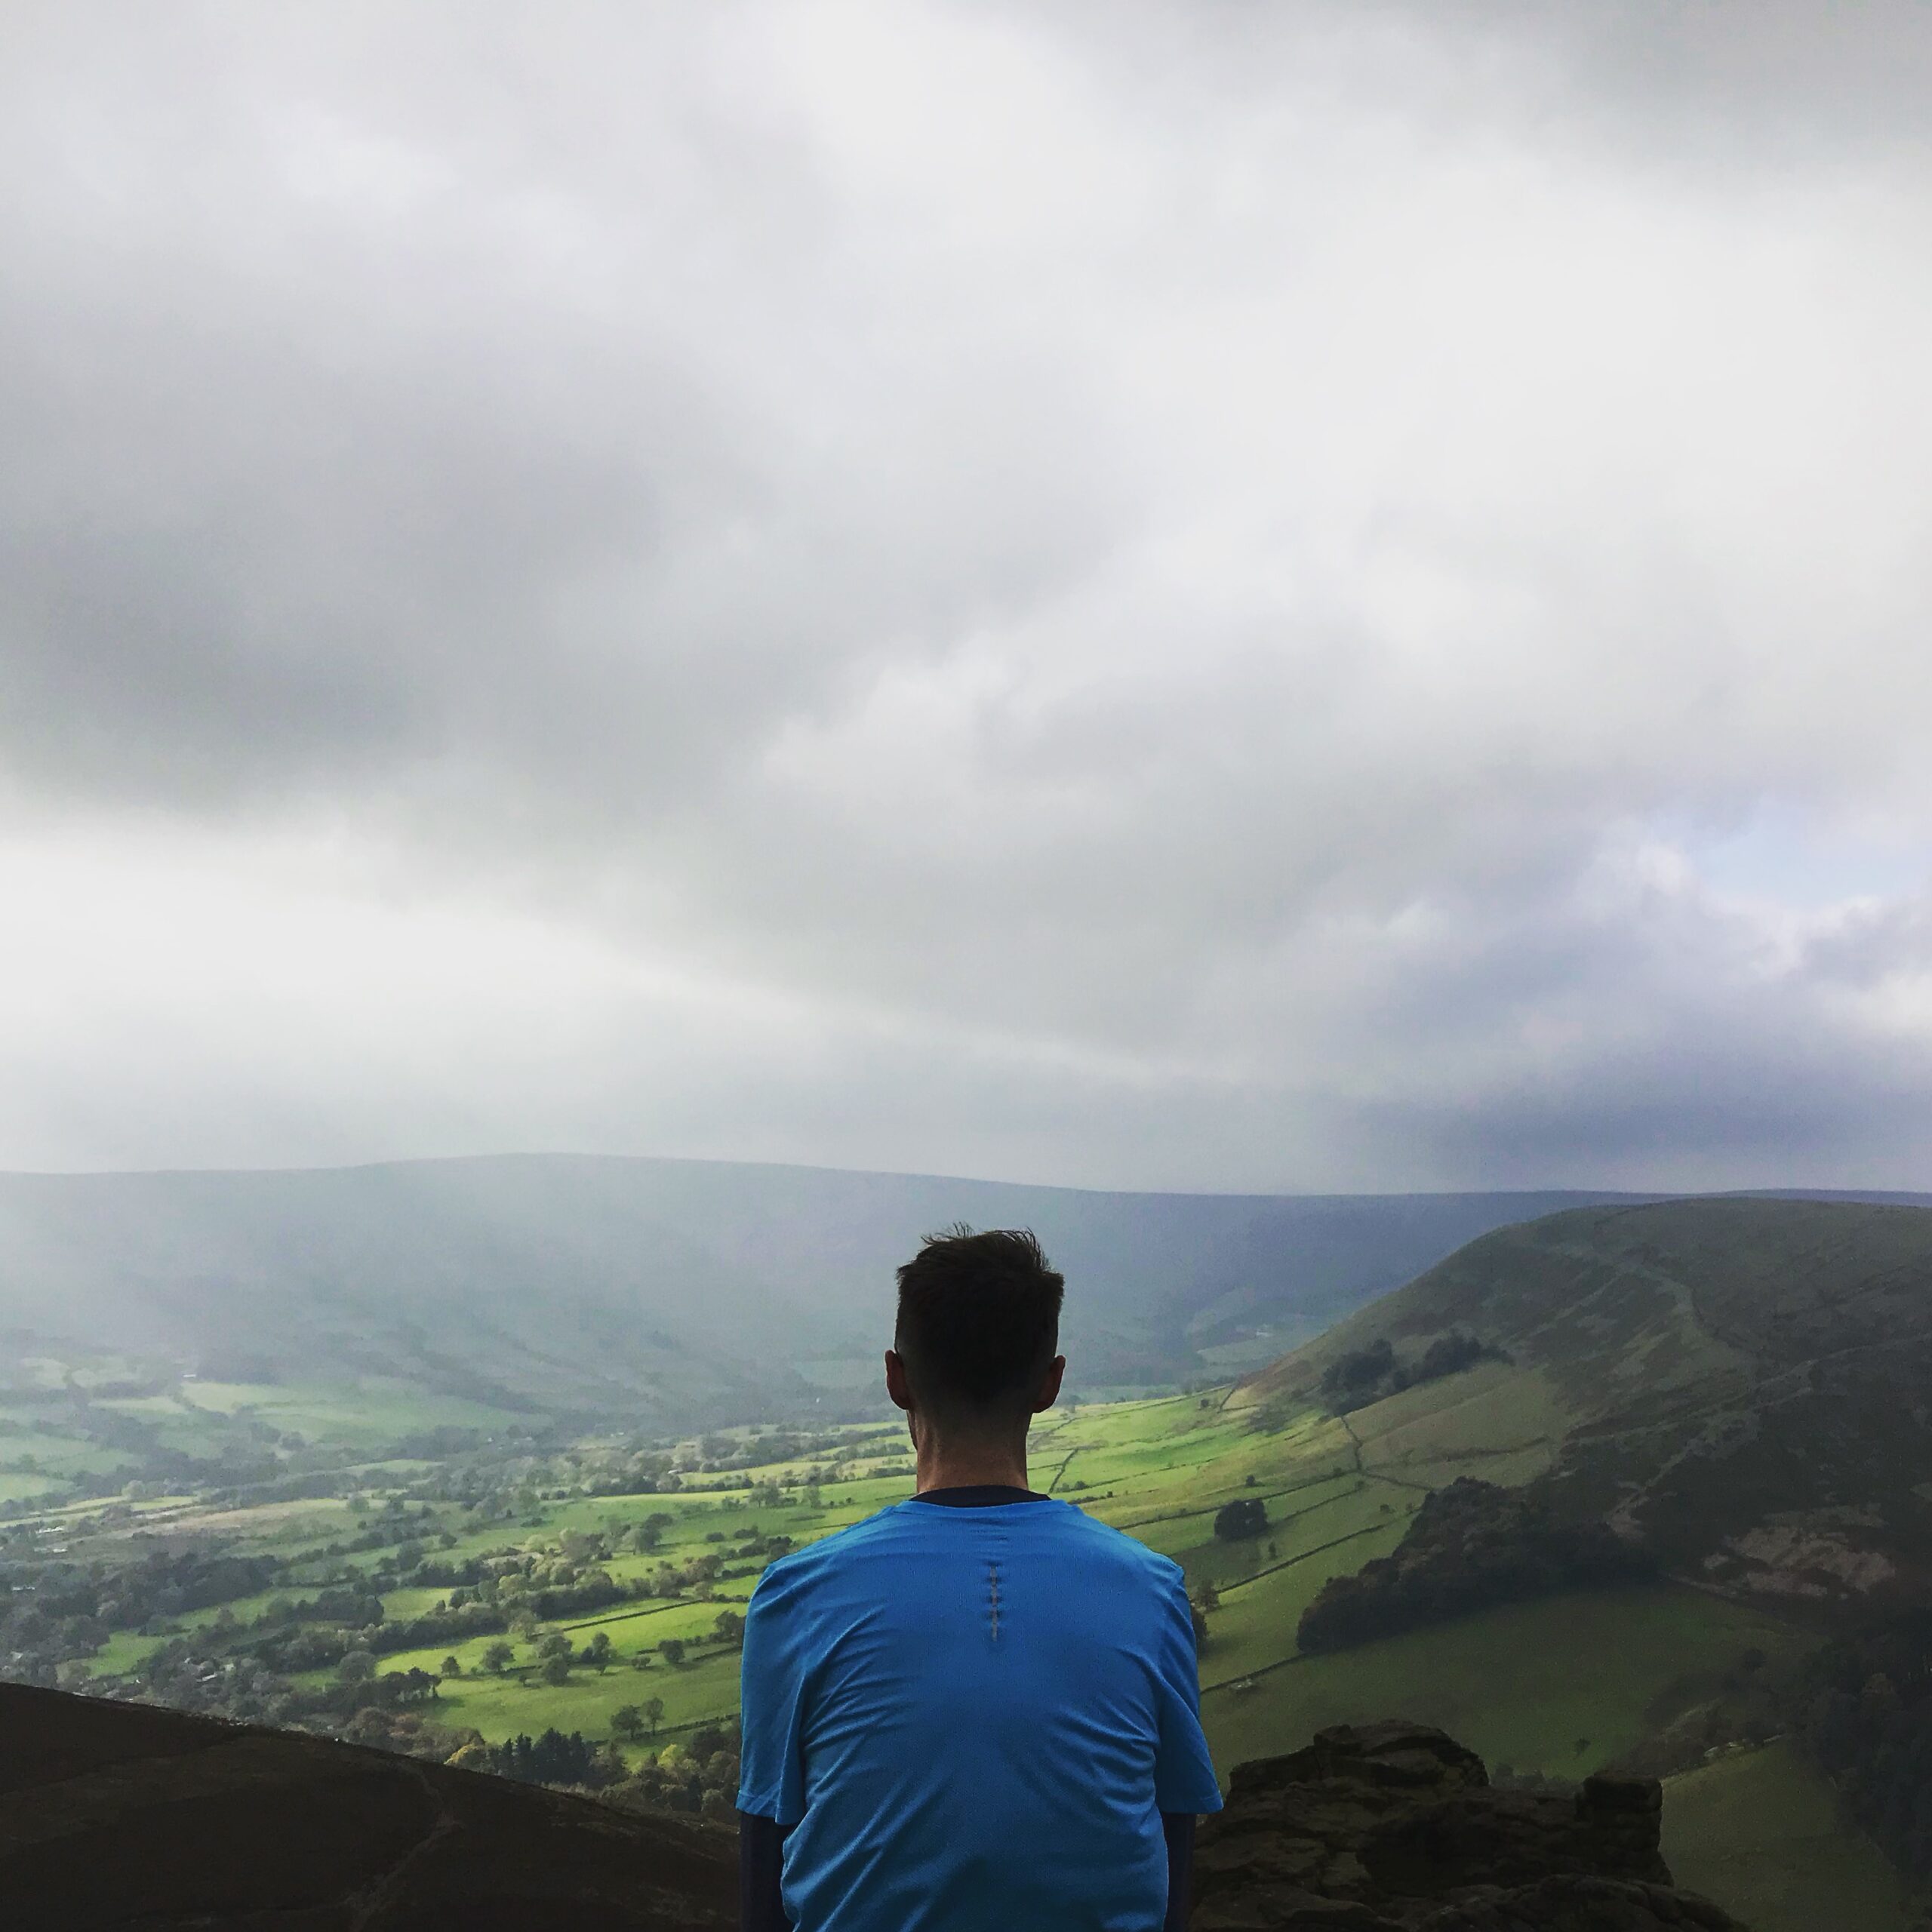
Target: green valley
(432,1574)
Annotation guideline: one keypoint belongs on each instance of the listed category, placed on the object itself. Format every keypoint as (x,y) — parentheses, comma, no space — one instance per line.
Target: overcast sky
(1275,596)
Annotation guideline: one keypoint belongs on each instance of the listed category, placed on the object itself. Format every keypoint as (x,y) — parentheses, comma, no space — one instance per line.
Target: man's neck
(970,1463)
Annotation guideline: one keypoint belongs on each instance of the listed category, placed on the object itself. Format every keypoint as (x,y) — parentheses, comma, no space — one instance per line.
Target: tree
(1246,1516)
(653,1713)
(356,1666)
(497,1657)
(672,1649)
(452,1665)
(597,1652)
(730,1629)
(627,1721)
(556,1668)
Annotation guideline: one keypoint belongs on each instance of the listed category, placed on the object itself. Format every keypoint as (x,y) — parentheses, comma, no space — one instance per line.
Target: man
(976,1710)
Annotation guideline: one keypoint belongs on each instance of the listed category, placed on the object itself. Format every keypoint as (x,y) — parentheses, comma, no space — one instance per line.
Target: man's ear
(1049,1389)
(898,1383)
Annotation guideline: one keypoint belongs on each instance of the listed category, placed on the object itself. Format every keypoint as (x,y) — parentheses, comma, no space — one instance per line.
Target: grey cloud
(1131,569)
(297,487)
(1729,83)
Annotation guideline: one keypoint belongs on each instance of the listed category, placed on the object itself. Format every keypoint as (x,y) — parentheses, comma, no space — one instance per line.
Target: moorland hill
(1738,1384)
(675,1293)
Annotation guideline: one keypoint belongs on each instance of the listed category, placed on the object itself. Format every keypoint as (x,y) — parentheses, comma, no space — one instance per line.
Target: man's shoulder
(1104,1544)
(826,1553)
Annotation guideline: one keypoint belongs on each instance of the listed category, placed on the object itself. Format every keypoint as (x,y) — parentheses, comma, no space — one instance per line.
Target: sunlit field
(1336,1494)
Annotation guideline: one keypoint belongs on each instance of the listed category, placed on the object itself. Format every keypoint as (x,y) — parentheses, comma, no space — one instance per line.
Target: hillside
(1740,1381)
(667,1293)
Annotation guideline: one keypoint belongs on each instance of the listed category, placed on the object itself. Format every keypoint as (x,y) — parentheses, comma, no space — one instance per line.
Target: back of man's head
(979,1321)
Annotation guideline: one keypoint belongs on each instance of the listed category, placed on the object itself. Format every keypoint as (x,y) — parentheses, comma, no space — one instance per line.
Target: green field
(1525,1685)
(1761,1832)
(376,1409)
(1561,1687)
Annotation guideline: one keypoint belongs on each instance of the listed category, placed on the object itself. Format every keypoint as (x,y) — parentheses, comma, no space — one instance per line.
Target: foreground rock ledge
(1395,1828)
(122,1815)
(119,1815)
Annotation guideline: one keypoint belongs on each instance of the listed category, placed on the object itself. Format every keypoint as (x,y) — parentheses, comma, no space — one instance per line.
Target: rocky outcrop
(1396,1828)
(116,1816)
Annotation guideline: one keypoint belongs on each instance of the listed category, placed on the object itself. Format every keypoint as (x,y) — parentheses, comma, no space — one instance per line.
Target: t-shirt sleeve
(772,1695)
(1184,1777)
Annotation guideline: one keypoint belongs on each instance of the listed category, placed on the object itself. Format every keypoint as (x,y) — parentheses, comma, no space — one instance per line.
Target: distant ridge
(667,1291)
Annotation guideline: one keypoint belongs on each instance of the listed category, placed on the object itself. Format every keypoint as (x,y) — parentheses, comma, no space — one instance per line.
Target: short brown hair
(978,1317)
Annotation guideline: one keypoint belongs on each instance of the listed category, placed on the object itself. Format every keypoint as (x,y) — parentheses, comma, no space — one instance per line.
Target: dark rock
(117,1815)
(1395,1828)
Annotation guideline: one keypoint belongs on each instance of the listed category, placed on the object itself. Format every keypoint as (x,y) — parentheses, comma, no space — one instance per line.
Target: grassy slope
(1681,1299)
(1525,1685)
(1761,1832)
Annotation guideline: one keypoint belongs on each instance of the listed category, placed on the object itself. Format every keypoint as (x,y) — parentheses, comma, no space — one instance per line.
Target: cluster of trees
(130,1597)
(1246,1516)
(699,1774)
(1863,1708)
(1362,1376)
(179,1674)
(556,1656)
(365,1688)
(555,1757)
(631,1721)
(1470,1546)
(56,1613)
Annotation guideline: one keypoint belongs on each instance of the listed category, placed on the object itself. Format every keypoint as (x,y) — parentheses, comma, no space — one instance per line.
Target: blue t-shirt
(974,1718)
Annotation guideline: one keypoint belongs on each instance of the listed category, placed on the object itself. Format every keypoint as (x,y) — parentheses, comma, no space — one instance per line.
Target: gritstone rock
(117,1816)
(1396,1828)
